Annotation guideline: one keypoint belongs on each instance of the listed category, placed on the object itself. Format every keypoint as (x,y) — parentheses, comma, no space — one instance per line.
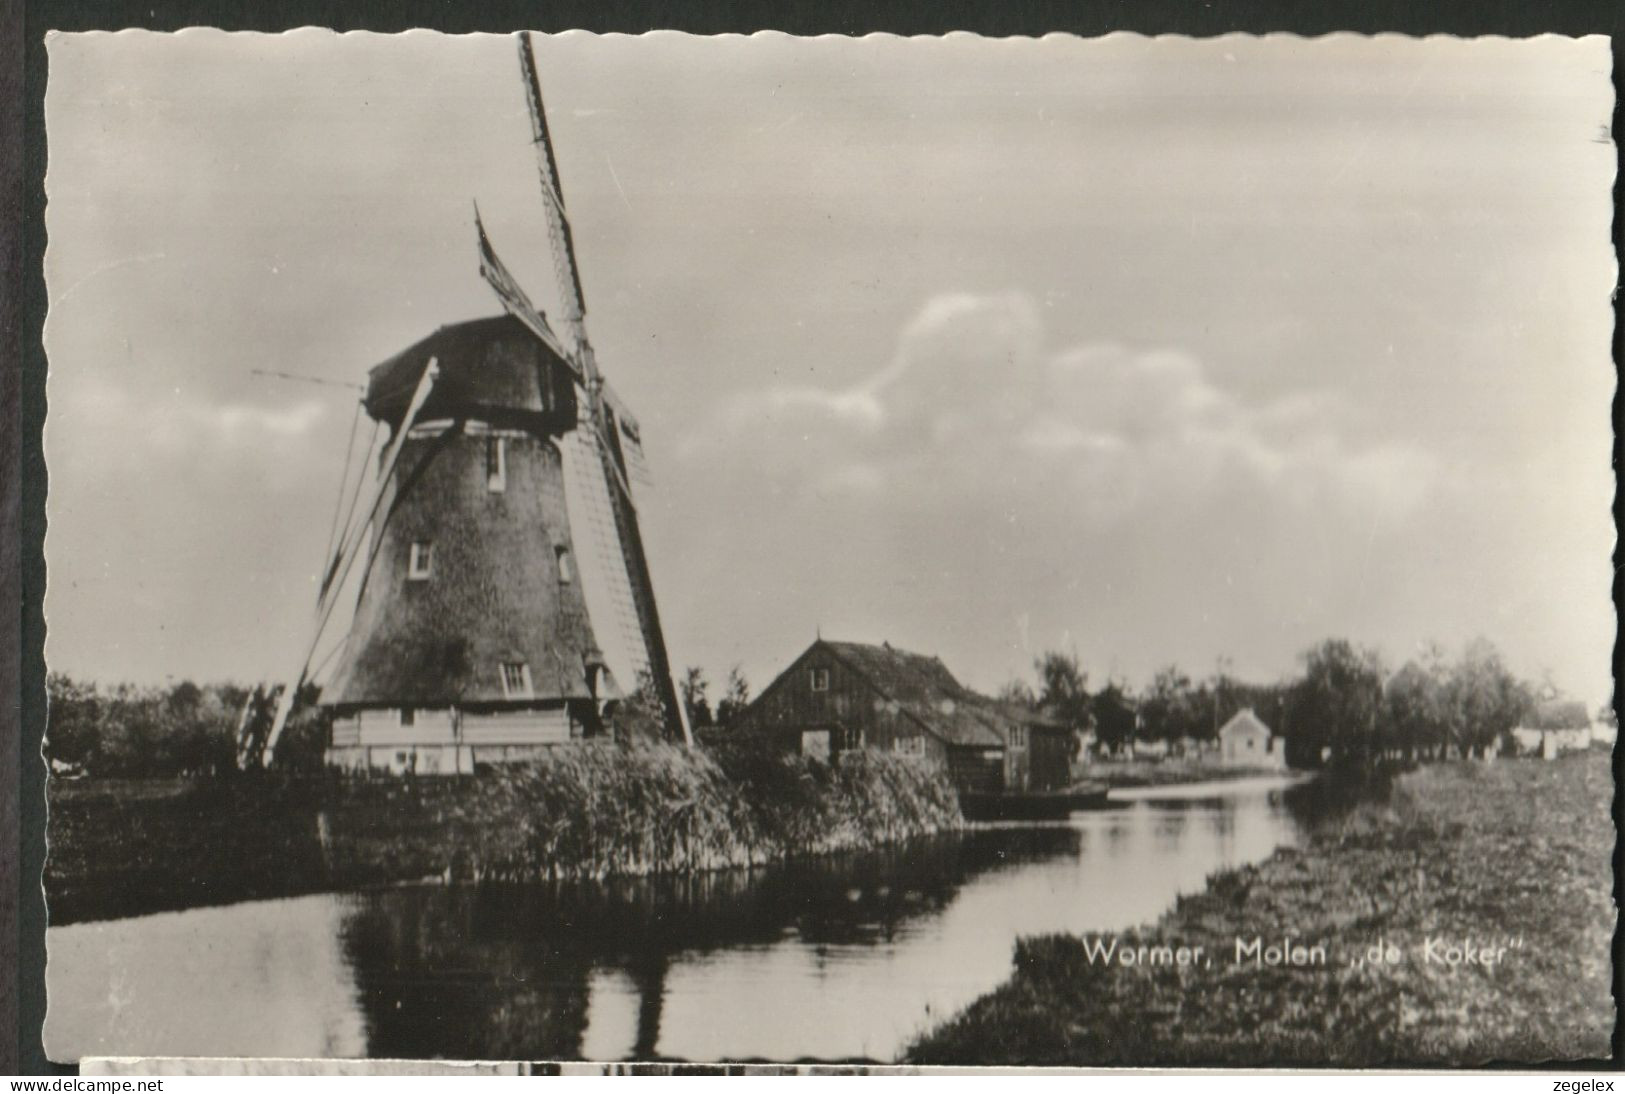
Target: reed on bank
(588,810)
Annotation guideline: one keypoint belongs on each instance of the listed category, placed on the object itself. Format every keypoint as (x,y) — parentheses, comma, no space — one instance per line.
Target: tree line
(1344,707)
(696,693)
(134,731)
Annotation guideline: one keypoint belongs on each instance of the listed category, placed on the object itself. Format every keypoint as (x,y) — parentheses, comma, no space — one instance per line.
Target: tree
(1063,692)
(1484,701)
(735,697)
(1063,687)
(73,726)
(1414,719)
(198,731)
(695,702)
(1336,706)
(1114,716)
(641,716)
(129,733)
(1169,708)
(1017,692)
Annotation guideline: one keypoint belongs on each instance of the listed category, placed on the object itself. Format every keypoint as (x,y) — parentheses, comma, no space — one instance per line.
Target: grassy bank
(1135,773)
(1512,850)
(126,847)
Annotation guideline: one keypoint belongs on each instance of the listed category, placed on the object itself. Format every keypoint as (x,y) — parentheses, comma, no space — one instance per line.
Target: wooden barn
(845,695)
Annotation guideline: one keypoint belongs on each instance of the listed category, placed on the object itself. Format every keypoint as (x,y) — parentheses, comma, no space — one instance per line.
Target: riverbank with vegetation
(1469,852)
(1133,774)
(121,847)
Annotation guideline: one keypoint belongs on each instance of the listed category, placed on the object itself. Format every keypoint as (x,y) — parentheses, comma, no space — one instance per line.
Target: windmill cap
(492,369)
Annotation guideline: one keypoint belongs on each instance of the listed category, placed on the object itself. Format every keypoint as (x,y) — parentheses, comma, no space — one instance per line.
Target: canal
(840,959)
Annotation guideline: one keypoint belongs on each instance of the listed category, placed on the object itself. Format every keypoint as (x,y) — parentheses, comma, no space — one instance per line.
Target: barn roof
(925,688)
(1558,714)
(1245,721)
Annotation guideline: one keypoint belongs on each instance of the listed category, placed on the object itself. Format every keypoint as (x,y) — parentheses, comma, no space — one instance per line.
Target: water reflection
(267,978)
(530,971)
(836,959)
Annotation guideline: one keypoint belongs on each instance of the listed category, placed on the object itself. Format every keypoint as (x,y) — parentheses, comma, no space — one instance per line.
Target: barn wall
(934,749)
(976,770)
(1044,763)
(1049,758)
(1017,765)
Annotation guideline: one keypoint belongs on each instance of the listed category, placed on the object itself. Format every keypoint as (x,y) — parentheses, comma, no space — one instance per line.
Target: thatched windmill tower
(505,597)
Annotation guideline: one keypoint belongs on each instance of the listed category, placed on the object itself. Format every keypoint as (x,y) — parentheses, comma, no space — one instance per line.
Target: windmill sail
(254,749)
(629,436)
(513,298)
(558,224)
(605,579)
(600,431)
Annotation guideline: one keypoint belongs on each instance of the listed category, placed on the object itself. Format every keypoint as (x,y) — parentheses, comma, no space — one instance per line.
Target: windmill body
(471,640)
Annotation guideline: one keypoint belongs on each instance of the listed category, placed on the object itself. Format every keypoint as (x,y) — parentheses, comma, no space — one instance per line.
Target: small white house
(1245,741)
(1554,726)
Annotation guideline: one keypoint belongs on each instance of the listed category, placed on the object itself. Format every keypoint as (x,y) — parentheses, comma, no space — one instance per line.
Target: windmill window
(1018,736)
(409,716)
(421,562)
(496,464)
(566,575)
(516,680)
(820,679)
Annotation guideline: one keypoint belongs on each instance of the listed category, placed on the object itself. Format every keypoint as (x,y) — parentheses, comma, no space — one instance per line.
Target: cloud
(973,411)
(174,512)
(182,421)
(238,423)
(114,433)
(983,493)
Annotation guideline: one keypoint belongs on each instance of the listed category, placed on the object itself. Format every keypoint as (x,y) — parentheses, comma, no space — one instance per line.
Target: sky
(1152,350)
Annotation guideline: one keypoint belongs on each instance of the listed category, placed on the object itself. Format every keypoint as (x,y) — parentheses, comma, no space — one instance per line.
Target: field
(1514,858)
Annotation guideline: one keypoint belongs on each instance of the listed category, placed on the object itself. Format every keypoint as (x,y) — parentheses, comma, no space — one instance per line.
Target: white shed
(1245,741)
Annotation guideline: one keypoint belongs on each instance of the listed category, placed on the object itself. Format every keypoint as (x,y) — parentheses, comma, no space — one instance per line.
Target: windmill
(505,599)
